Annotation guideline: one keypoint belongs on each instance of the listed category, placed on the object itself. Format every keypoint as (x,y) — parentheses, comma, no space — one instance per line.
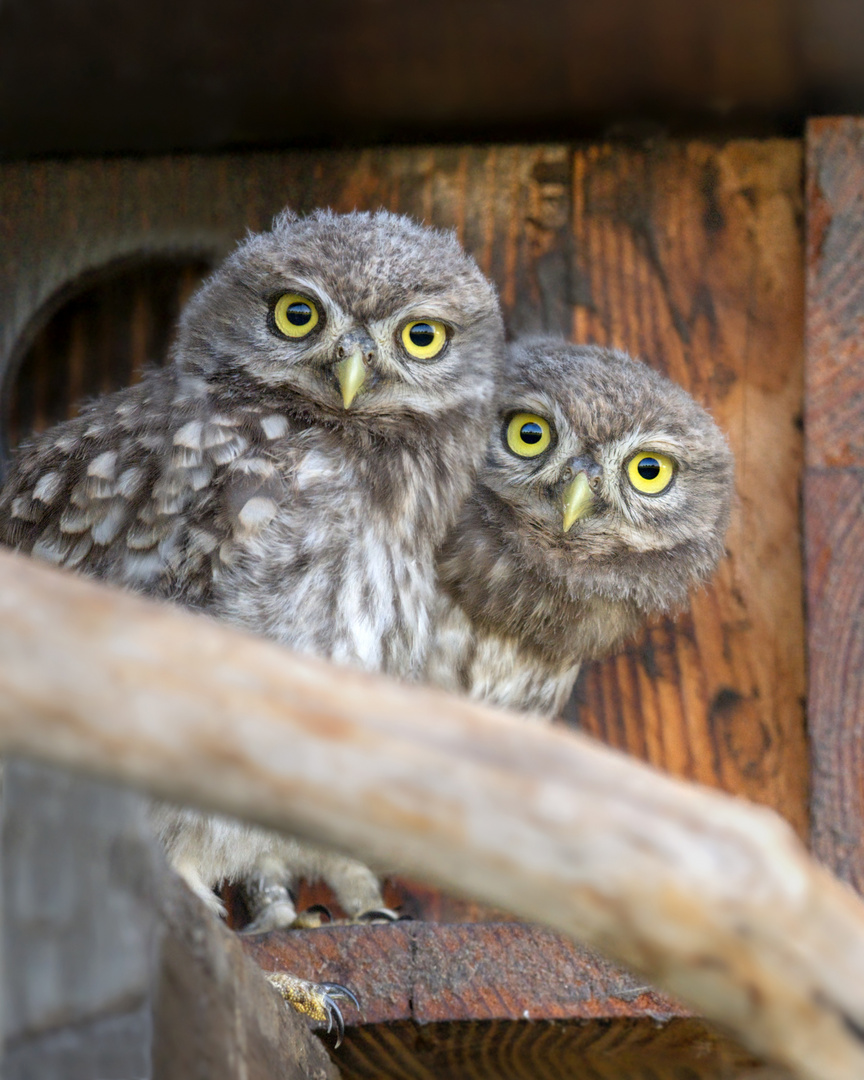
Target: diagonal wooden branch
(705,895)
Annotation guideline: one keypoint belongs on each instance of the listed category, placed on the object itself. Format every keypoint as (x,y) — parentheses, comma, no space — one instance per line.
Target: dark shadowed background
(111,76)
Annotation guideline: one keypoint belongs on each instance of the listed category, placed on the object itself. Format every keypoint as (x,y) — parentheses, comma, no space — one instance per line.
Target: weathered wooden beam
(708,897)
(834,489)
(113,969)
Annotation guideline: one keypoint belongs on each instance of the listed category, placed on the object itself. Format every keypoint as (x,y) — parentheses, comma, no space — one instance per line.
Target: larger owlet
(604,499)
(295,468)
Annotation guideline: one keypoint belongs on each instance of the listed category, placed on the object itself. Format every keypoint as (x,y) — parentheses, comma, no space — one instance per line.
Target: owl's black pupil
(531,433)
(298,313)
(648,468)
(422,334)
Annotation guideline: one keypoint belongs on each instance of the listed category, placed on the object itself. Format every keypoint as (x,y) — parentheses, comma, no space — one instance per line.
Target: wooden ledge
(430,972)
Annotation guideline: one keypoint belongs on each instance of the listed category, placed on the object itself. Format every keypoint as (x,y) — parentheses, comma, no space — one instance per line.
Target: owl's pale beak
(351,374)
(577,500)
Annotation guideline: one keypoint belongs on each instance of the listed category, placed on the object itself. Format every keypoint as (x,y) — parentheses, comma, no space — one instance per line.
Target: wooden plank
(690,255)
(429,972)
(834,489)
(835,294)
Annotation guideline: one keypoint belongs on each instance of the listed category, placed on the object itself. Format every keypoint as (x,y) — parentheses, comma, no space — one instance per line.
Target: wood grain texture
(834,489)
(706,896)
(835,294)
(690,256)
(645,1049)
(100,338)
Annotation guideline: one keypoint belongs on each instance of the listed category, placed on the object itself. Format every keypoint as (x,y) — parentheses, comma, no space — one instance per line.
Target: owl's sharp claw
(334,1014)
(337,990)
(315,1000)
(319,909)
(312,918)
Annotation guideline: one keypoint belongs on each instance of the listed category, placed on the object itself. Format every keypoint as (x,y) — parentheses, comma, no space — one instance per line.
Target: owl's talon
(315,1000)
(336,990)
(319,909)
(312,918)
(379,915)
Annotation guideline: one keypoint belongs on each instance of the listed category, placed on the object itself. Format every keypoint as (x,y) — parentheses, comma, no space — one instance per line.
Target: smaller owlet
(604,499)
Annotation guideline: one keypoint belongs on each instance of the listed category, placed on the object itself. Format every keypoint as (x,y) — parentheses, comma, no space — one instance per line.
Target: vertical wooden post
(834,489)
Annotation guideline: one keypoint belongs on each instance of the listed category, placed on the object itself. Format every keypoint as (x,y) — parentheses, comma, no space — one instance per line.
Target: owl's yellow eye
(424,339)
(650,473)
(528,435)
(295,316)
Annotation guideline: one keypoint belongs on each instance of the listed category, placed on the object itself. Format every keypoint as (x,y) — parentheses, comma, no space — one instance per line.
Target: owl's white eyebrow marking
(661,441)
(313,290)
(417,310)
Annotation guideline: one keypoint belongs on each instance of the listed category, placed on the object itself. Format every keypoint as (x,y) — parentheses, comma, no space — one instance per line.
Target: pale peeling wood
(708,897)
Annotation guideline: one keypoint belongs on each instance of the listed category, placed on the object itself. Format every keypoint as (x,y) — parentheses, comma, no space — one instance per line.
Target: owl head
(607,477)
(361,320)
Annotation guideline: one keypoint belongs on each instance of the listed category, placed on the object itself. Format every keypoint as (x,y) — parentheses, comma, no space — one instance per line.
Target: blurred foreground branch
(707,896)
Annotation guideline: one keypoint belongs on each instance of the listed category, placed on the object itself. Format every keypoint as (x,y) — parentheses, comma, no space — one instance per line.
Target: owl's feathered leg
(315,1000)
(268,902)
